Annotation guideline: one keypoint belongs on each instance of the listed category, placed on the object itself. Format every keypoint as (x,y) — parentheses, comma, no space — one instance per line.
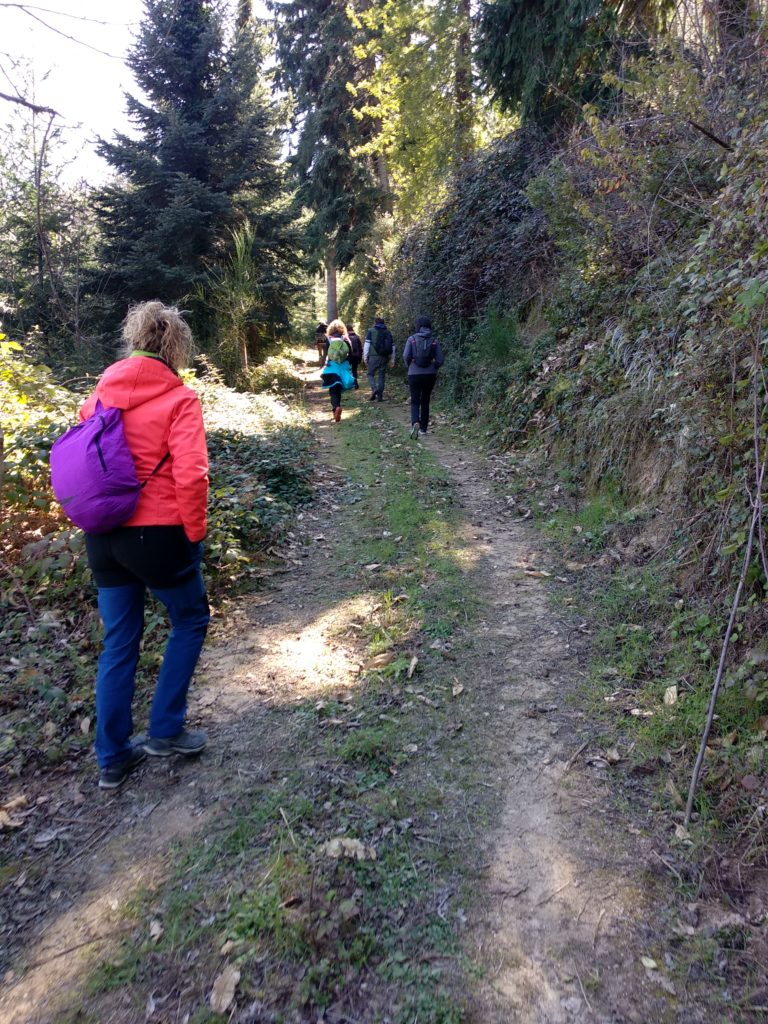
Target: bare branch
(59,14)
(30,106)
(756,512)
(708,133)
(59,32)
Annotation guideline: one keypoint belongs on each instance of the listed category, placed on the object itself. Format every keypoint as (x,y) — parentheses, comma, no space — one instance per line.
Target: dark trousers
(380,370)
(420,385)
(354,365)
(335,392)
(126,563)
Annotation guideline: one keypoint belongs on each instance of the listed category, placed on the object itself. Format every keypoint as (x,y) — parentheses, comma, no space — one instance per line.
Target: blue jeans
(122,612)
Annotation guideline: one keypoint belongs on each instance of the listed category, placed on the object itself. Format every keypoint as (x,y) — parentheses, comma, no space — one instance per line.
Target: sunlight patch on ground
(323,653)
(554,909)
(280,664)
(253,413)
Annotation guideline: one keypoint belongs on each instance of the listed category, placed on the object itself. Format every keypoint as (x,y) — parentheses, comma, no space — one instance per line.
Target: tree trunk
(463,83)
(382,173)
(330,283)
(243,13)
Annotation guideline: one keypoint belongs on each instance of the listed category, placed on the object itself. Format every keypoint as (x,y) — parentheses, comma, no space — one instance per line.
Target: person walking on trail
(356,346)
(378,353)
(159,548)
(423,356)
(337,373)
(321,343)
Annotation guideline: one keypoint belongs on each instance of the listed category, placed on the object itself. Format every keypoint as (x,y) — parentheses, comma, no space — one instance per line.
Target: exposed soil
(566,903)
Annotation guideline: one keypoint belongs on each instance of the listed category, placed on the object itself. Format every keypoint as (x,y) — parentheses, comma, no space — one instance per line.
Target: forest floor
(405,814)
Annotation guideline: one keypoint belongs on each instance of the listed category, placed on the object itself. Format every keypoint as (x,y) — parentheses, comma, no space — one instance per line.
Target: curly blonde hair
(336,329)
(154,327)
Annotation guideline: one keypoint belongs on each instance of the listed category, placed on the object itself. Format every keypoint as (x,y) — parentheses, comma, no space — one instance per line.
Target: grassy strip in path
(391,768)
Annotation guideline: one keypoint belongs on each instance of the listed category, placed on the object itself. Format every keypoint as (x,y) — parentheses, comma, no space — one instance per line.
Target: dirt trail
(559,923)
(562,922)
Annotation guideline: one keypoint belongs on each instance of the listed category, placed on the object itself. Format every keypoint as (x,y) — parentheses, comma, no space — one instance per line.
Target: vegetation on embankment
(259,449)
(601,295)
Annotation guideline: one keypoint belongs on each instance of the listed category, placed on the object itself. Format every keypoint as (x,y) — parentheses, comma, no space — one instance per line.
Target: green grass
(302,927)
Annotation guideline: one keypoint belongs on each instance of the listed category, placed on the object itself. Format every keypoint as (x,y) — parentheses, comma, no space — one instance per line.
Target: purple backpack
(93,475)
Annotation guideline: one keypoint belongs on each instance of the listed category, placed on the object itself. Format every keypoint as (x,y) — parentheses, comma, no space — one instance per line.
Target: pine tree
(207,146)
(539,56)
(537,52)
(318,63)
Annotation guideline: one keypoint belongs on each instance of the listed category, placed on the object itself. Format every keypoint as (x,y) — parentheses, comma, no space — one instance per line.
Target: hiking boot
(415,431)
(337,413)
(187,743)
(372,396)
(114,776)
(422,433)
(379,398)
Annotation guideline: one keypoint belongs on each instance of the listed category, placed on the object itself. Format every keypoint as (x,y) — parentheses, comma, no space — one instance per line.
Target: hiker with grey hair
(378,354)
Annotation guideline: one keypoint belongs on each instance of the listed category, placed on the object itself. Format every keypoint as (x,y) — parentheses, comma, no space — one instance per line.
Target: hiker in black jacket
(378,353)
(321,343)
(356,347)
(423,356)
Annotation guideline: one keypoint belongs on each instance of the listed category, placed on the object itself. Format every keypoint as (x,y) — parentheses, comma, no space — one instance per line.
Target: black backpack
(381,340)
(424,346)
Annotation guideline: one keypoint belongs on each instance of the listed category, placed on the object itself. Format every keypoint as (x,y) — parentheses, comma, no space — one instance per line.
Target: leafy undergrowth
(334,891)
(260,473)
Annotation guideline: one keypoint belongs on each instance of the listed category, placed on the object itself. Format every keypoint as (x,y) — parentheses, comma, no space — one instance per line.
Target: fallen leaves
(49,835)
(224,988)
(379,661)
(457,689)
(751,783)
(670,695)
(343,846)
(674,792)
(412,666)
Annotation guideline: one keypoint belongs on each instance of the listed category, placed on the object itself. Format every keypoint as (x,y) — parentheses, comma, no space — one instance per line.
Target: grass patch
(306,929)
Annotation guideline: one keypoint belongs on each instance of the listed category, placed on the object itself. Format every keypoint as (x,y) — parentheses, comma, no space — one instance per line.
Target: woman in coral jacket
(159,548)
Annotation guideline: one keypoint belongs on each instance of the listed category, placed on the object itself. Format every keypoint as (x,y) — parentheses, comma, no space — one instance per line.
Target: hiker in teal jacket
(336,376)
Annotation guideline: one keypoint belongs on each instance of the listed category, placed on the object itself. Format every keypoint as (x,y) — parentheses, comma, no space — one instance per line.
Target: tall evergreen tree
(536,52)
(317,58)
(206,147)
(541,55)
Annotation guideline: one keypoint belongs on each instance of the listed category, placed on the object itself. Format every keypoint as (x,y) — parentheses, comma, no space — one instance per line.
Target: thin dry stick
(756,511)
(288,826)
(572,760)
(589,1005)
